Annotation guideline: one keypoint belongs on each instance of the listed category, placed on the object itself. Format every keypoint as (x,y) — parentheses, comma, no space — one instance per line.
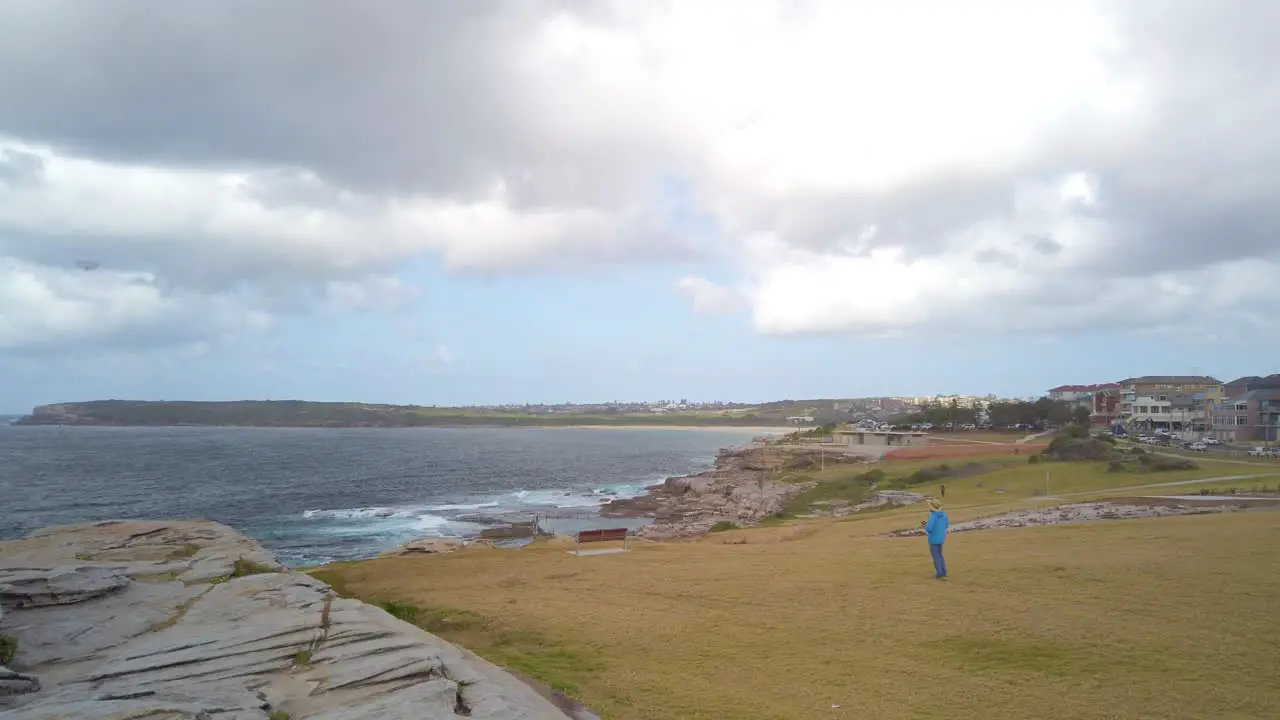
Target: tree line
(1044,411)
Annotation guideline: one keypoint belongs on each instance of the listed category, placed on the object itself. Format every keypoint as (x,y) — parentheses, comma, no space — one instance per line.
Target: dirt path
(1172,484)
(1033,437)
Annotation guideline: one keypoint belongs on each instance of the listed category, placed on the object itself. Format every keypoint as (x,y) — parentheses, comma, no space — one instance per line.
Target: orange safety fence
(929,452)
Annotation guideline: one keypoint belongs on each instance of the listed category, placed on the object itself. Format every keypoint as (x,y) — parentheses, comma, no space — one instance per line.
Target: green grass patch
(8,649)
(243,568)
(302,658)
(851,489)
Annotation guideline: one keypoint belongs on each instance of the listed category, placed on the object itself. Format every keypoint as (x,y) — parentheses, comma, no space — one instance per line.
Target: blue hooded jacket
(936,527)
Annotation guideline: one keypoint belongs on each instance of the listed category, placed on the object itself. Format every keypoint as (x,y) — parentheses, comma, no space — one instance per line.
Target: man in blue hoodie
(935,528)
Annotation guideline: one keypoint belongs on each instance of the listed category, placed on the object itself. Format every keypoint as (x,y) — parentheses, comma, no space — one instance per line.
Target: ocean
(318,495)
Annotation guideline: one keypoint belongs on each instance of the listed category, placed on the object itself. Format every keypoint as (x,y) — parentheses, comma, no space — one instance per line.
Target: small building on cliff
(857,437)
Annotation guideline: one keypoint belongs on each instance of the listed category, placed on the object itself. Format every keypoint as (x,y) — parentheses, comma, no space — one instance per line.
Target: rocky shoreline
(192,620)
(743,488)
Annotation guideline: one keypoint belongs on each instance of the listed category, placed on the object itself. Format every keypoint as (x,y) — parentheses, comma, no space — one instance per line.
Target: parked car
(1198,447)
(1262,452)
(1210,441)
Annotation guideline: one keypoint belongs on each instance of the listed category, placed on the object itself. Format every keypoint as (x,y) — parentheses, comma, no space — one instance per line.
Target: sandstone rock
(14,683)
(138,642)
(57,586)
(429,546)
(739,489)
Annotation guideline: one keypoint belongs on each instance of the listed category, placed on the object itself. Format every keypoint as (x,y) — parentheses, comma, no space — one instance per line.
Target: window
(1242,406)
(1142,409)
(1163,398)
(1242,420)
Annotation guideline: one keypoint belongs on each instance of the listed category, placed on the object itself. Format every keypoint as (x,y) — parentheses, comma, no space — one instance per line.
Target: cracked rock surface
(143,619)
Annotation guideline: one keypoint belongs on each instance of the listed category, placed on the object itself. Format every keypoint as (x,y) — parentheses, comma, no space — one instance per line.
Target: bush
(1109,439)
(926,475)
(1077,432)
(8,649)
(1033,459)
(873,477)
(1115,466)
(722,526)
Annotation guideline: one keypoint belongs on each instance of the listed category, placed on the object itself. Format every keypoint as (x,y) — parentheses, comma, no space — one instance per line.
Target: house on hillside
(1105,408)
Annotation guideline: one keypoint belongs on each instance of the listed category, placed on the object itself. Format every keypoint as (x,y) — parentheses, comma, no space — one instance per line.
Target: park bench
(597,536)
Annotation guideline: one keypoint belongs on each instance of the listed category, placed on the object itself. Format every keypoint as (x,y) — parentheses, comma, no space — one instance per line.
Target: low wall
(929,452)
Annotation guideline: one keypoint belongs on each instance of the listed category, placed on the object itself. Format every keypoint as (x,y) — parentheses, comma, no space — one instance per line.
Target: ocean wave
(364,513)
(464,506)
(437,515)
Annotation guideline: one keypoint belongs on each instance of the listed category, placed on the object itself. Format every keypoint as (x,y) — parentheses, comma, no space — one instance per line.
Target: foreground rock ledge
(143,619)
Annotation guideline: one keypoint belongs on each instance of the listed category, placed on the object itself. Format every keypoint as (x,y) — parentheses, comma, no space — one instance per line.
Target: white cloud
(708,297)
(870,167)
(43,308)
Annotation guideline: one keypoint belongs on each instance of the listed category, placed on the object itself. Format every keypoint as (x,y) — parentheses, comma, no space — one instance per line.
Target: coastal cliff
(748,484)
(193,620)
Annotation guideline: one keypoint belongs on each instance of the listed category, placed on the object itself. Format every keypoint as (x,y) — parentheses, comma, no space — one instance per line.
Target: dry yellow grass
(1168,618)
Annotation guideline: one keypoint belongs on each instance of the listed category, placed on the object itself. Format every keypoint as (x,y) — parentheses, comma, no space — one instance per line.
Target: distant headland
(299,413)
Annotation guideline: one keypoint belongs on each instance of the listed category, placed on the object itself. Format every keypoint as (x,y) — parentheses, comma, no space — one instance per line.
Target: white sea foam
(464,506)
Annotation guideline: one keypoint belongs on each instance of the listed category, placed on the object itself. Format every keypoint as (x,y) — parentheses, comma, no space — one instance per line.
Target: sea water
(316,495)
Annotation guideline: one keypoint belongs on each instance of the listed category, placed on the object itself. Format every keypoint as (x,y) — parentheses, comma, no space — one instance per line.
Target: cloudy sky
(542,200)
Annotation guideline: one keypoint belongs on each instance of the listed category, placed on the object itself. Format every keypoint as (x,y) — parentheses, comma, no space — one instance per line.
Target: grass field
(1160,618)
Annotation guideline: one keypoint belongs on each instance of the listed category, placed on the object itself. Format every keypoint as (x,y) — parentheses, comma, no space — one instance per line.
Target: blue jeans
(939,565)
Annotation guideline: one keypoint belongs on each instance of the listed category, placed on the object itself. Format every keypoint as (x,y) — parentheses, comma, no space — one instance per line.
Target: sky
(566,200)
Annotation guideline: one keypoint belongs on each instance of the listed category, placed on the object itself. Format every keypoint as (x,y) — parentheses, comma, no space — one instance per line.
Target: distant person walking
(935,529)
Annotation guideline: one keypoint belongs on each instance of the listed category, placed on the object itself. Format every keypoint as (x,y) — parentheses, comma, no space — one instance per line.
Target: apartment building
(1176,403)
(1248,411)
(1080,394)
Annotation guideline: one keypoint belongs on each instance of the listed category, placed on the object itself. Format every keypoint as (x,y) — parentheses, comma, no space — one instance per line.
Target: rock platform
(191,620)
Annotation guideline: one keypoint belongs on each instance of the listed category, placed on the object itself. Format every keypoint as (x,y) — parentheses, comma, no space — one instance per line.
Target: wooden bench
(596,536)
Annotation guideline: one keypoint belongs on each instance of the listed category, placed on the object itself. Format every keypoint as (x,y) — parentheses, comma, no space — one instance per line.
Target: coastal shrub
(1069,449)
(1033,459)
(1116,466)
(800,462)
(8,649)
(1078,432)
(278,715)
(926,475)
(722,526)
(302,657)
(1108,439)
(1137,451)
(1160,463)
(245,567)
(872,477)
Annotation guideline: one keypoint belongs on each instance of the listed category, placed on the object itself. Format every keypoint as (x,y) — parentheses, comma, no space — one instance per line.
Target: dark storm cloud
(394,96)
